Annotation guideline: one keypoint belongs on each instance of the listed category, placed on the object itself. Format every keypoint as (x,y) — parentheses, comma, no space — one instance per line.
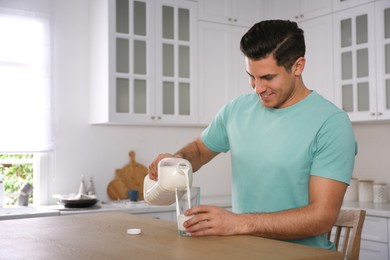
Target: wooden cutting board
(130,177)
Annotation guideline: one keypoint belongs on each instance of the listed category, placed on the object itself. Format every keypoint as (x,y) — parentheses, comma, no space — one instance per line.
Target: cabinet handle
(373,114)
(230,19)
(234,20)
(159,117)
(152,117)
(380,114)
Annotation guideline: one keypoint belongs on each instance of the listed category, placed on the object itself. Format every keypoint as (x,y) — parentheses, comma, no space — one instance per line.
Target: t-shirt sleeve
(335,149)
(215,136)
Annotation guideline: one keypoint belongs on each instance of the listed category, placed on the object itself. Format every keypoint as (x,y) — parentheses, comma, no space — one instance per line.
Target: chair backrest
(348,233)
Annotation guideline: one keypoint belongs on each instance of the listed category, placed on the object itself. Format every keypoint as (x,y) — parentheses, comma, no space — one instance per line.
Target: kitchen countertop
(371,208)
(17,212)
(139,206)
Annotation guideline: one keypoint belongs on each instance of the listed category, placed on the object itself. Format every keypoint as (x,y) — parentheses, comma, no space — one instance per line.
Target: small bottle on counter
(1,192)
(380,193)
(366,190)
(91,187)
(82,189)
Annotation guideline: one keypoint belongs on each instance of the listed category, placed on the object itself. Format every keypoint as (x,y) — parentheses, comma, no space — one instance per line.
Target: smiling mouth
(265,95)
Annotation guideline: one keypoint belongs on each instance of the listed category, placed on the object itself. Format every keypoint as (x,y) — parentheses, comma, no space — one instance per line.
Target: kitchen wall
(97,150)
(373,159)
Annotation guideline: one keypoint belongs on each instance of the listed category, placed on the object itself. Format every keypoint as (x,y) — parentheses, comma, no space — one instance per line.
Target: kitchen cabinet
(339,5)
(297,10)
(382,12)
(141,56)
(318,72)
(360,62)
(242,13)
(222,74)
(374,241)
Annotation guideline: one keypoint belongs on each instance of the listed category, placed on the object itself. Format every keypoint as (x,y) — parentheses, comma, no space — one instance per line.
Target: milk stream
(182,218)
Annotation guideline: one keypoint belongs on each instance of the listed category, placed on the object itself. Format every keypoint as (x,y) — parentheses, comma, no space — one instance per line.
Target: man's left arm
(325,199)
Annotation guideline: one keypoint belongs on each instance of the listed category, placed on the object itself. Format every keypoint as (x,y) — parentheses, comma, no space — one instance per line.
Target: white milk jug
(172,173)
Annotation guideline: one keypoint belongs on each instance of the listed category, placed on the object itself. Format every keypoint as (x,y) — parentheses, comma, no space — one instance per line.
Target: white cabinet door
(141,62)
(299,10)
(318,73)
(222,74)
(382,15)
(354,62)
(373,250)
(244,12)
(215,61)
(347,4)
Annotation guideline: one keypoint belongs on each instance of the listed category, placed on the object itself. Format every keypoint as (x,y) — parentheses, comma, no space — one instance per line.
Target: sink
(16,212)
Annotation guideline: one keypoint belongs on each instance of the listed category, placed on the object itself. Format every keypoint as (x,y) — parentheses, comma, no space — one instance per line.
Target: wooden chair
(348,231)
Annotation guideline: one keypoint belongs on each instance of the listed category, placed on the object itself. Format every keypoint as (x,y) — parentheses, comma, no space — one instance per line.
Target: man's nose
(259,86)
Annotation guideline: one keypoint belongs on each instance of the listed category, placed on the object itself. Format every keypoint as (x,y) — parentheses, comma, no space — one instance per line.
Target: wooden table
(104,236)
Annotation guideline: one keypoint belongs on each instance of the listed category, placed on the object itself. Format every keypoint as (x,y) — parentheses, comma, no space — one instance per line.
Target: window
(25,89)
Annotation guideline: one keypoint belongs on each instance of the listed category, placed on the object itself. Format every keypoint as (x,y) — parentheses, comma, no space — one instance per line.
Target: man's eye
(270,77)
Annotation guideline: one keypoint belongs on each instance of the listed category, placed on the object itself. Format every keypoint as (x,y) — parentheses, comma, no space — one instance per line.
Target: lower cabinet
(374,244)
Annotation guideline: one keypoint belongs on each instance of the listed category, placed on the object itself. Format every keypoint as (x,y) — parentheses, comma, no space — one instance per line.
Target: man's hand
(212,220)
(153,167)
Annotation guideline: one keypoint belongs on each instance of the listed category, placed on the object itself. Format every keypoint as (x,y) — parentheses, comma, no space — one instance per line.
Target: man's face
(276,87)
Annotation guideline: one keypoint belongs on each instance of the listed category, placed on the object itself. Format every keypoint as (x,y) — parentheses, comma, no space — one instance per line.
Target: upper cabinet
(297,10)
(360,61)
(243,13)
(222,73)
(382,11)
(141,61)
(318,72)
(347,4)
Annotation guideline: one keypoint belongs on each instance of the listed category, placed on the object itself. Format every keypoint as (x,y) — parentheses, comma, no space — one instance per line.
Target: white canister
(352,191)
(366,190)
(380,192)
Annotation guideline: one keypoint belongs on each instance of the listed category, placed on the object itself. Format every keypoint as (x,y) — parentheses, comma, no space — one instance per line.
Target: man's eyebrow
(263,76)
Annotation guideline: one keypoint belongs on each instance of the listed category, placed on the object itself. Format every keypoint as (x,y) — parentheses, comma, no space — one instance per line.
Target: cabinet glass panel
(122,55)
(363,96)
(361,29)
(139,57)
(168,22)
(387,23)
(362,63)
(347,98)
(388,94)
(168,98)
(122,16)
(140,96)
(168,60)
(346,32)
(346,65)
(139,21)
(122,95)
(184,61)
(184,99)
(387,58)
(184,24)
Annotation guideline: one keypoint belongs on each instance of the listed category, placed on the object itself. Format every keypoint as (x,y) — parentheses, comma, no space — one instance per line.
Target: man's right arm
(195,152)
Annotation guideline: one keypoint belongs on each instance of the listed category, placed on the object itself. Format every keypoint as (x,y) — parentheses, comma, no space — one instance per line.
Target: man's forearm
(196,153)
(289,224)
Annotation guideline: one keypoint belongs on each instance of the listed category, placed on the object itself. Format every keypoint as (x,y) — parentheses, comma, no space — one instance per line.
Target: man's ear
(299,66)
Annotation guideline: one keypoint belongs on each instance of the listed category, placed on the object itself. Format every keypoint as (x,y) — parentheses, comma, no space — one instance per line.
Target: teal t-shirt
(274,152)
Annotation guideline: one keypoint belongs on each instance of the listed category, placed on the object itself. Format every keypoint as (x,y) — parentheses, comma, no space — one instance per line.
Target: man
(292,151)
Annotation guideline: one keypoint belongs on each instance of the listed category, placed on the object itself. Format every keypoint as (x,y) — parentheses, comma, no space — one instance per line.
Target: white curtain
(25,80)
